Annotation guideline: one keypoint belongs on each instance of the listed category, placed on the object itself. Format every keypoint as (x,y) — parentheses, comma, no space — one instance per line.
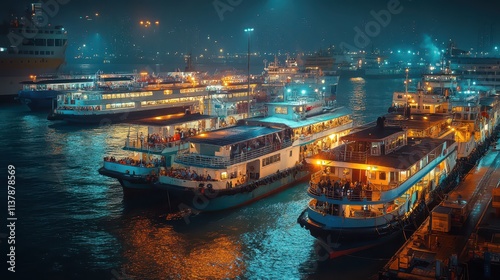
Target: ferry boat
(153,149)
(22,56)
(102,106)
(447,245)
(162,137)
(466,115)
(373,185)
(310,82)
(234,166)
(40,93)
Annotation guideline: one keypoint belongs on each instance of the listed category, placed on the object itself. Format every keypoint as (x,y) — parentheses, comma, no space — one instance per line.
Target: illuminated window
(281,110)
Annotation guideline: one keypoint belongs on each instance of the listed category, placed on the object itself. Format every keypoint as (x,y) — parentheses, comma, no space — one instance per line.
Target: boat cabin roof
(416,121)
(170,119)
(57,81)
(408,155)
(372,133)
(310,120)
(232,135)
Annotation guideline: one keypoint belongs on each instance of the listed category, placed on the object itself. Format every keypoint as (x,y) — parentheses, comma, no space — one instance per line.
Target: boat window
(281,110)
(28,42)
(40,42)
(50,42)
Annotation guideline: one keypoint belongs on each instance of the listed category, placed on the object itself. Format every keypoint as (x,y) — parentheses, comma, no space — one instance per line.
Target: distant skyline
(280,25)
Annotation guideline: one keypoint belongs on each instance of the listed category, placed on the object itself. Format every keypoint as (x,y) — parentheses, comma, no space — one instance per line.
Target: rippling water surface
(75,224)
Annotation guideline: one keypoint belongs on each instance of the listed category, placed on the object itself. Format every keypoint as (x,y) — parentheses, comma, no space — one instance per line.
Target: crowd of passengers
(312,129)
(133,162)
(156,138)
(185,173)
(343,188)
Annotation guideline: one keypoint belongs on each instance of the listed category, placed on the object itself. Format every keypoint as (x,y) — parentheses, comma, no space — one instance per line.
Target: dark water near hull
(75,224)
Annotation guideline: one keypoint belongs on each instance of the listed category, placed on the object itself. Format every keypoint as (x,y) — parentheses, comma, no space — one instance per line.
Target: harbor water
(73,223)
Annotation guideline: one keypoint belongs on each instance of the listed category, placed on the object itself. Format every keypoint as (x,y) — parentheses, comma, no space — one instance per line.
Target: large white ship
(28,49)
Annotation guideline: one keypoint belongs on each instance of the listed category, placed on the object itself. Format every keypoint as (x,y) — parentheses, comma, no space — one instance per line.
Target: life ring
(209,186)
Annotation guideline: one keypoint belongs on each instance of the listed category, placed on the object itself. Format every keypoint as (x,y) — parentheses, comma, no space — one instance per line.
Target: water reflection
(157,251)
(358,97)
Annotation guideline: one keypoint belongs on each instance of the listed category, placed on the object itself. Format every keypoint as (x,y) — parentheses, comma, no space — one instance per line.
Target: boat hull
(116,117)
(39,100)
(208,201)
(344,241)
(131,184)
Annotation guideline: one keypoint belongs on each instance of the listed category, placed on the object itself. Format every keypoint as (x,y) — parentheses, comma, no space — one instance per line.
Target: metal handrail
(225,161)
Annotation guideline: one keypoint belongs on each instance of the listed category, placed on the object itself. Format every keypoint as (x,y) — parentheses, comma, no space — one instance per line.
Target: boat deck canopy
(408,155)
(372,133)
(171,119)
(232,135)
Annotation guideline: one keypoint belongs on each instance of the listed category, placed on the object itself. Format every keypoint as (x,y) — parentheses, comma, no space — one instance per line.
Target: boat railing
(387,214)
(346,156)
(342,194)
(223,162)
(255,153)
(155,147)
(202,160)
(134,163)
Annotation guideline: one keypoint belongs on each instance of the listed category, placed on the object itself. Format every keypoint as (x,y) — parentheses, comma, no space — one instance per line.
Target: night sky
(280,25)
